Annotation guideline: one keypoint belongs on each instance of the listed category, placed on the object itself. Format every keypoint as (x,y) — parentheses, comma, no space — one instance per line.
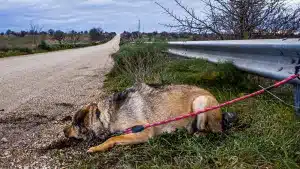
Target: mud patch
(64,143)
(95,75)
(33,119)
(60,144)
(64,104)
(66,119)
(83,68)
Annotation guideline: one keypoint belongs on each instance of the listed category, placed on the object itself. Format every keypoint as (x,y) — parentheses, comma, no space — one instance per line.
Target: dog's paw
(200,134)
(93,149)
(100,148)
(90,150)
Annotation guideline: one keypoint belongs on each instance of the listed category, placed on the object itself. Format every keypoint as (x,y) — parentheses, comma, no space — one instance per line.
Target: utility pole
(139,26)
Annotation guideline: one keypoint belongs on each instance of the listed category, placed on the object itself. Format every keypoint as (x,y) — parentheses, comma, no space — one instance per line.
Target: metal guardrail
(271,58)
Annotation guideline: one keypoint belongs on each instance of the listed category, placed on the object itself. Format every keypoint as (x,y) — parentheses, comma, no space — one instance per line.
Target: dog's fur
(143,104)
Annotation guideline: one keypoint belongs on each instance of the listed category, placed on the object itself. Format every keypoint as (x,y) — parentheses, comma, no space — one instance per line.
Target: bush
(59,36)
(43,45)
(4,52)
(96,34)
(138,62)
(24,50)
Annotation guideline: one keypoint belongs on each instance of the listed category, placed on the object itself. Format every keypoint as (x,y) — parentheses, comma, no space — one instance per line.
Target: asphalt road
(38,91)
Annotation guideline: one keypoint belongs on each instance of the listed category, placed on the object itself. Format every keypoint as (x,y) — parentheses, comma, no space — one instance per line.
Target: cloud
(95,2)
(111,15)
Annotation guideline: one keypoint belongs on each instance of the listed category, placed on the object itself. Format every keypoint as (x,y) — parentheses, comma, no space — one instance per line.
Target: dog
(141,104)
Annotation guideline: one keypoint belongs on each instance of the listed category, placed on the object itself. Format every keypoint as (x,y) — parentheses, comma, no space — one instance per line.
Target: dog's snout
(69,132)
(66,131)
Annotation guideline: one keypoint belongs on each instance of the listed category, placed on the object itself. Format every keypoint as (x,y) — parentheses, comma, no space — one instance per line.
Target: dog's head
(86,123)
(93,119)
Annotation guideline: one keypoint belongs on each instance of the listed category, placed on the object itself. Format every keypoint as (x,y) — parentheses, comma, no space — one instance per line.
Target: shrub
(138,62)
(4,52)
(59,36)
(43,45)
(24,50)
(96,34)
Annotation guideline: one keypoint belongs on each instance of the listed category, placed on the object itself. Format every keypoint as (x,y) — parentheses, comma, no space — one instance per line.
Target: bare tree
(96,34)
(74,36)
(51,32)
(238,18)
(35,30)
(59,36)
(285,22)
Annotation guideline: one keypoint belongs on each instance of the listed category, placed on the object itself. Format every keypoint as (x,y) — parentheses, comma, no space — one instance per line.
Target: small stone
(4,140)
(6,153)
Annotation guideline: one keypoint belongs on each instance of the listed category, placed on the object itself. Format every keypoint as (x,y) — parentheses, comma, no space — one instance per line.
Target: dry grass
(27,41)
(13,46)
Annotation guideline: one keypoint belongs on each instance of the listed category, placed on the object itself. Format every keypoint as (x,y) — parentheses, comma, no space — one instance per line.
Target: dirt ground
(39,93)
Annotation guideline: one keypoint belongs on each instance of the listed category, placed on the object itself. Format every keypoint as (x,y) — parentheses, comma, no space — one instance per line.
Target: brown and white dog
(143,104)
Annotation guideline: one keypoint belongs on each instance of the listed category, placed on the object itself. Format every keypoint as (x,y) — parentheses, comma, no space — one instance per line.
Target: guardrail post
(297,99)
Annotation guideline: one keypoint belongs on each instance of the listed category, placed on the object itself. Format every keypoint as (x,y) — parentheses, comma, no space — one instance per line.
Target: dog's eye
(83,130)
(98,113)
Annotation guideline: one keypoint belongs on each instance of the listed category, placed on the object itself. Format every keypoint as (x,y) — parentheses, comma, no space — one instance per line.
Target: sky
(80,15)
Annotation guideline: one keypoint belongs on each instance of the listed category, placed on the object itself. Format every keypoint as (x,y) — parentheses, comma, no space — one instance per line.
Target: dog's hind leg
(133,138)
(208,121)
(201,120)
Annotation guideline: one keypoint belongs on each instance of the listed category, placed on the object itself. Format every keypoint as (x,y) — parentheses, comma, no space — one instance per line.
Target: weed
(16,48)
(137,62)
(44,46)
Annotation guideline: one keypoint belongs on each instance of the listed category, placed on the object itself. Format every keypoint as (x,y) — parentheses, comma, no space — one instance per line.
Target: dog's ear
(121,96)
(84,115)
(80,115)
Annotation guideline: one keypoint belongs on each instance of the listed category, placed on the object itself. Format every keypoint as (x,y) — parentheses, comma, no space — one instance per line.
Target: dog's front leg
(133,138)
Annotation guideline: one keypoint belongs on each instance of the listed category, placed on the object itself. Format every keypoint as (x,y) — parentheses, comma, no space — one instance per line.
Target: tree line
(95,34)
(158,35)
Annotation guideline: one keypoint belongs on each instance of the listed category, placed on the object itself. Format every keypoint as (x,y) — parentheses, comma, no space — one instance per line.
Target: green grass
(16,51)
(266,136)
(14,46)
(141,61)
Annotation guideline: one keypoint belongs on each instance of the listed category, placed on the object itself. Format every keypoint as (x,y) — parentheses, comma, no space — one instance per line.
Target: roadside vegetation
(37,41)
(266,136)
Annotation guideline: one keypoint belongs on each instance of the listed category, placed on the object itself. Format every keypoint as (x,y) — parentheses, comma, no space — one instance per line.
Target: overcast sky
(111,15)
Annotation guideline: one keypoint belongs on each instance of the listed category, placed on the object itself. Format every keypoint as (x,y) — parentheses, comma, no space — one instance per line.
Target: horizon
(110,15)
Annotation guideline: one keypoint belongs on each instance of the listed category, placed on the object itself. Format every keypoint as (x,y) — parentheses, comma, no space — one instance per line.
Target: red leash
(140,128)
